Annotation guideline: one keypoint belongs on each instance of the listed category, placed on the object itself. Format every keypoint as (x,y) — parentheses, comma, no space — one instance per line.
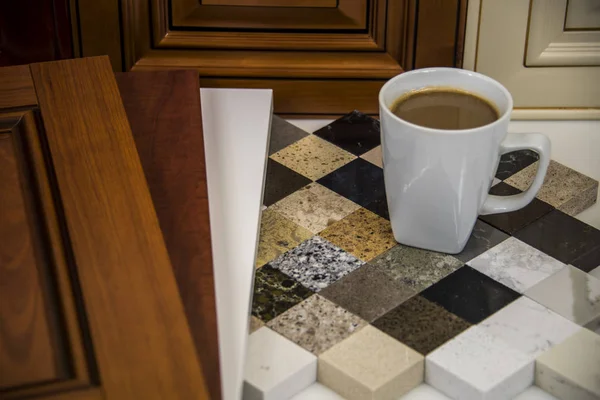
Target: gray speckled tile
(483,238)
(516,264)
(416,268)
(316,324)
(283,134)
(316,263)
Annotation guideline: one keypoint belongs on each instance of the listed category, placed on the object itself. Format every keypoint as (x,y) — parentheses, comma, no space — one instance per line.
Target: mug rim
(384,108)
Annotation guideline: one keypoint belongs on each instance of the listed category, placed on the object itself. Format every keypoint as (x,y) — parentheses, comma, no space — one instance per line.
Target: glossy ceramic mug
(437,181)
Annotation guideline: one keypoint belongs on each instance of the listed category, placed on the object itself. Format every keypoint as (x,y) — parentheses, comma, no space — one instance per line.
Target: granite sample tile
(516,264)
(571,293)
(316,324)
(370,365)
(317,391)
(362,233)
(513,162)
(564,188)
(483,238)
(561,236)
(571,370)
(424,392)
(313,157)
(470,294)
(315,207)
(367,292)
(529,327)
(281,182)
(277,235)
(354,132)
(283,134)
(477,365)
(275,293)
(361,182)
(511,222)
(374,156)
(534,393)
(421,324)
(589,260)
(255,324)
(275,367)
(595,272)
(316,263)
(416,268)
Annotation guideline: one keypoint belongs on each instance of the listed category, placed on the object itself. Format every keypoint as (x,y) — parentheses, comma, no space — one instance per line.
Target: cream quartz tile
(374,156)
(370,365)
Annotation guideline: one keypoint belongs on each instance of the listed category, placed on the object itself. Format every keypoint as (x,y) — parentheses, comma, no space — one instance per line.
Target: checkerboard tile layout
(333,283)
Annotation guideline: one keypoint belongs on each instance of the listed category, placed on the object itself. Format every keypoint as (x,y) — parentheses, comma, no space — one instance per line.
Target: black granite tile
(421,324)
(361,182)
(281,182)
(275,293)
(367,292)
(470,294)
(483,238)
(355,132)
(561,236)
(513,221)
(588,261)
(515,161)
(283,134)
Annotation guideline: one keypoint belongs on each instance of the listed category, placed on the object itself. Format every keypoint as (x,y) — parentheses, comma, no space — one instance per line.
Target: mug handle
(521,141)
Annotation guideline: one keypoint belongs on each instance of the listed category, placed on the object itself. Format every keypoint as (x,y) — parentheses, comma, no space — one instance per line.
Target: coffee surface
(440,108)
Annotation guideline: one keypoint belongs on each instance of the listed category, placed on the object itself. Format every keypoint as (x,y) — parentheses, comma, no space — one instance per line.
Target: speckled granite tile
(355,132)
(516,264)
(283,134)
(370,365)
(316,263)
(563,188)
(421,324)
(483,238)
(255,324)
(374,156)
(280,182)
(515,161)
(561,236)
(367,292)
(316,324)
(315,207)
(275,293)
(313,157)
(362,233)
(278,235)
(416,268)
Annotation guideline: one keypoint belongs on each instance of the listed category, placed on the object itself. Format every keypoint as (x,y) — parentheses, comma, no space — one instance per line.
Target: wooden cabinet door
(89,306)
(320,57)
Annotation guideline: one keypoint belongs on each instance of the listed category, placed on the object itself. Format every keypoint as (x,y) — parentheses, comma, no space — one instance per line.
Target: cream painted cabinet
(546,52)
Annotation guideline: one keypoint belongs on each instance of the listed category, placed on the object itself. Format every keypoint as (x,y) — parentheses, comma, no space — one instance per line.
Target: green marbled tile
(275,293)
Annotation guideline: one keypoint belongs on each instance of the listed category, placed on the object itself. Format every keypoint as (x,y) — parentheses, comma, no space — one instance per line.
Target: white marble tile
(571,293)
(571,370)
(424,392)
(316,391)
(516,264)
(276,368)
(535,393)
(595,272)
(529,326)
(476,365)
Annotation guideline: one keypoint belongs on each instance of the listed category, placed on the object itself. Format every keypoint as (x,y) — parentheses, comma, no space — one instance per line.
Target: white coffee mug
(437,181)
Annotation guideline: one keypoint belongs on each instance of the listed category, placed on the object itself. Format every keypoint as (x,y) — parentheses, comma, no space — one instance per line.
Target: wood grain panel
(100,29)
(140,334)
(163,109)
(16,87)
(272,3)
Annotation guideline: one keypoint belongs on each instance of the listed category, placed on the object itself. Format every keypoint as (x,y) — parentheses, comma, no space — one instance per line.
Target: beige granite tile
(374,156)
(362,233)
(564,188)
(313,157)
(316,324)
(278,235)
(370,365)
(571,370)
(315,207)
(255,324)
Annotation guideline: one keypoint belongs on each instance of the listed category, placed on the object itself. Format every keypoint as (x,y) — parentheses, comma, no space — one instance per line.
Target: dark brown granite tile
(355,132)
(283,134)
(281,182)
